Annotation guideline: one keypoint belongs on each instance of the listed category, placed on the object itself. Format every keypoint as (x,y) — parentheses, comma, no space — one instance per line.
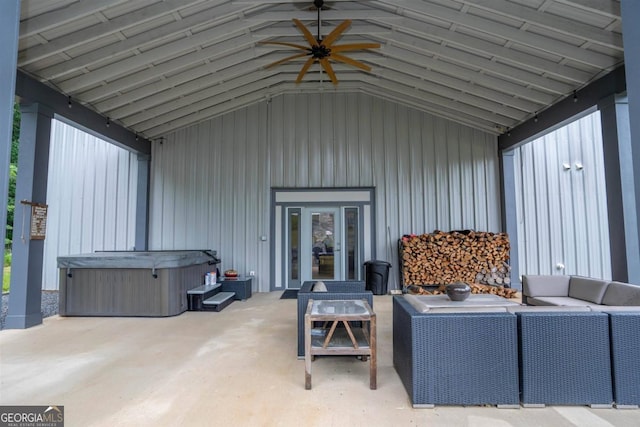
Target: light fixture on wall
(108,122)
(69,102)
(535,118)
(575,96)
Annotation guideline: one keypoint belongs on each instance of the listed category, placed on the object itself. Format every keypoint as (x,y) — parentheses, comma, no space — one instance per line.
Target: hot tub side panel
(128,291)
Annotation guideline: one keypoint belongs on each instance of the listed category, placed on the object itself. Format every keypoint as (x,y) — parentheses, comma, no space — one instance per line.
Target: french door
(323,244)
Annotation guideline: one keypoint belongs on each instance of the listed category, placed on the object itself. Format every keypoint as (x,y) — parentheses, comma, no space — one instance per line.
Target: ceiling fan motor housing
(320,51)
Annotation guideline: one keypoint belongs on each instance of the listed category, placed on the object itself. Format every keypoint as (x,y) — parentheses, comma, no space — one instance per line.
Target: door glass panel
(322,235)
(294,246)
(351,243)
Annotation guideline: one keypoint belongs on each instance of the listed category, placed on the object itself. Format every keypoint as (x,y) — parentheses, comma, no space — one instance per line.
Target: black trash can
(376,276)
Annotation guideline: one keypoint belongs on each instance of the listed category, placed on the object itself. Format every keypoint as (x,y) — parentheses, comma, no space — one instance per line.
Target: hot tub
(152,283)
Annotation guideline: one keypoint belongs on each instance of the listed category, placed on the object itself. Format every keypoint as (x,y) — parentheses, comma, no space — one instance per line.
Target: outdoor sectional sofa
(331,290)
(464,357)
(620,301)
(577,290)
(507,356)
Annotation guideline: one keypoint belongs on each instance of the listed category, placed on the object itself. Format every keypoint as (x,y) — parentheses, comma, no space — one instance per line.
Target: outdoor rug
(290,294)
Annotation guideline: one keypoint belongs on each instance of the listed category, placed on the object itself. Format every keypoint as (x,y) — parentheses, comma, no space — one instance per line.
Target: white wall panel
(428,173)
(91,193)
(562,208)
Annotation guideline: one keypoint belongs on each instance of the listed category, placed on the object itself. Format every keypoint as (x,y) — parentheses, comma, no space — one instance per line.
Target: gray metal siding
(91,193)
(562,210)
(211,182)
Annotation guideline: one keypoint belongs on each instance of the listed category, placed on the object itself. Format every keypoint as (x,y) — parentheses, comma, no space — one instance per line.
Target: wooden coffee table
(331,340)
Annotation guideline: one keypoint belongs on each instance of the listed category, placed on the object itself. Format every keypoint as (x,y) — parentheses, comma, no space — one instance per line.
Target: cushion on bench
(548,286)
(563,301)
(618,293)
(587,289)
(547,308)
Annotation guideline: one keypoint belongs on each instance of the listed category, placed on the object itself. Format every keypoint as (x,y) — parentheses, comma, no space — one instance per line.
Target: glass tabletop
(340,307)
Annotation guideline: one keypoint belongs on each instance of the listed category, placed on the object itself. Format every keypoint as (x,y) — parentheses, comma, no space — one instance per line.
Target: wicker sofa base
(545,356)
(432,354)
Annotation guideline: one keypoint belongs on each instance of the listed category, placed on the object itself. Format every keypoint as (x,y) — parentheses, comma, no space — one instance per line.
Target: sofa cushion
(563,301)
(547,308)
(616,308)
(619,293)
(547,286)
(588,289)
(463,310)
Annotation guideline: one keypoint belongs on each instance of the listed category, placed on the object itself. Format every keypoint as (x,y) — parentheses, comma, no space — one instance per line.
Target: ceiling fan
(323,50)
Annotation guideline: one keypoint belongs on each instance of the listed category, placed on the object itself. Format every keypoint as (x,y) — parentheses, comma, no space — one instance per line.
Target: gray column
(509,212)
(9,31)
(142,204)
(621,201)
(630,11)
(26,267)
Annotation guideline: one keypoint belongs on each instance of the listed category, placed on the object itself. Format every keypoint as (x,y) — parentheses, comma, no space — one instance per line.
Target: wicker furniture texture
(441,357)
(625,351)
(564,358)
(336,290)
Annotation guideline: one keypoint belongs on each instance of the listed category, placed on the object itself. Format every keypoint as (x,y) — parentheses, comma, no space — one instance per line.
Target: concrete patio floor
(233,368)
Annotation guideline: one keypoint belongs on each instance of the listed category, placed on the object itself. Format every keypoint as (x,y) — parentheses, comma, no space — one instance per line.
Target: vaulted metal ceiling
(156,66)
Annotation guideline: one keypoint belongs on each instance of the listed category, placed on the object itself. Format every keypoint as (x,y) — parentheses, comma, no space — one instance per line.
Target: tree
(13,173)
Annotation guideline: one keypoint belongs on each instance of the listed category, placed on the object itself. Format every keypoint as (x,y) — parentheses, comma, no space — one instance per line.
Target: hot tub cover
(139,259)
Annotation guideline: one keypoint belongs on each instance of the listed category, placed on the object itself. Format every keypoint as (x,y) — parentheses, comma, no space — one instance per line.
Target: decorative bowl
(458,291)
(230,273)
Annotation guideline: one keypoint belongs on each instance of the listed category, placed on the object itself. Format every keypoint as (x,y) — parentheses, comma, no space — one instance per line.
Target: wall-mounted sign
(38,222)
(38,229)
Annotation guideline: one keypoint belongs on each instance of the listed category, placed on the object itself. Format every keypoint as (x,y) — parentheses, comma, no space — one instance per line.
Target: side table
(240,285)
(350,340)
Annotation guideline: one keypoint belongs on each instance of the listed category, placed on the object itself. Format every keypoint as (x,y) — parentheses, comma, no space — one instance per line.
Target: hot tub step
(218,301)
(196,296)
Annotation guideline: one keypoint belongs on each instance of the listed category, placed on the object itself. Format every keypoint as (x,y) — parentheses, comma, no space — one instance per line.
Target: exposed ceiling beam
(71,40)
(139,41)
(550,22)
(469,43)
(62,15)
(526,38)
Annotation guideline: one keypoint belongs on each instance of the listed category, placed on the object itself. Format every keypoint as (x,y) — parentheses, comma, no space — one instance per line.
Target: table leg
(307,352)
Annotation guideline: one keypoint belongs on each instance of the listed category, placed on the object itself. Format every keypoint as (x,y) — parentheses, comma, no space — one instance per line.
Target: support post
(630,12)
(27,254)
(619,172)
(510,213)
(9,32)
(142,204)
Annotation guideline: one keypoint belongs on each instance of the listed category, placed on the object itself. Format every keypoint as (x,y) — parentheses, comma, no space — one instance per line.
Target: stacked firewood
(440,258)
(476,288)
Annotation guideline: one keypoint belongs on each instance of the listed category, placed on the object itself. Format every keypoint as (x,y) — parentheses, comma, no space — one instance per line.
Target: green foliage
(16,134)
(13,173)
(6,272)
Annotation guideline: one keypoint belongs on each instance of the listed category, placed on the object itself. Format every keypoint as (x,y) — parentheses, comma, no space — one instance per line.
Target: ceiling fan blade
(297,46)
(305,67)
(288,58)
(354,46)
(337,31)
(307,34)
(329,70)
(347,60)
